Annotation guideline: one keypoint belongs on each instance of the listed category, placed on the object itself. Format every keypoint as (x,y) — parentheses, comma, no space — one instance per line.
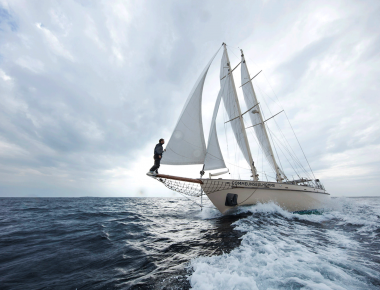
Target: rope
(294,157)
(299,145)
(287,158)
(295,160)
(201,206)
(248,197)
(279,103)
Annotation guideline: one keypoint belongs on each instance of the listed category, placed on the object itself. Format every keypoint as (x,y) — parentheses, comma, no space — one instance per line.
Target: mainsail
(230,101)
(187,144)
(256,117)
(214,158)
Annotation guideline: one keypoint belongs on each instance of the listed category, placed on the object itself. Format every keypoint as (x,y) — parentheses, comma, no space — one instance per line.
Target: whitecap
(283,250)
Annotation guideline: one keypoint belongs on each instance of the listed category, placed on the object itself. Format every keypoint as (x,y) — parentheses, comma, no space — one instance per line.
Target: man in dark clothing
(158,151)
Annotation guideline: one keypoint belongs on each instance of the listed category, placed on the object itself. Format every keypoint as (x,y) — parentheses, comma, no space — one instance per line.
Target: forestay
(187,144)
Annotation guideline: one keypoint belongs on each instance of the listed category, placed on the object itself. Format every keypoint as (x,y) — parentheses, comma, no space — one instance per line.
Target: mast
(249,83)
(253,169)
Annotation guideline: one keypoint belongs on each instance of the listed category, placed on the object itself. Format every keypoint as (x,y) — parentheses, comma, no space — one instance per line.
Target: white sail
(230,103)
(256,116)
(214,158)
(187,143)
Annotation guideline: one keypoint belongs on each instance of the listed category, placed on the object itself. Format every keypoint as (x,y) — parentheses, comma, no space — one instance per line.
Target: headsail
(256,117)
(187,144)
(214,158)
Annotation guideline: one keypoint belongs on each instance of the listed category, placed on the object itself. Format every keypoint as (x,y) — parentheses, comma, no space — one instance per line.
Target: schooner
(187,146)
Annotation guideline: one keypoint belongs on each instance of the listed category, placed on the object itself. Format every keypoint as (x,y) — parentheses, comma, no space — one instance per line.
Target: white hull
(288,196)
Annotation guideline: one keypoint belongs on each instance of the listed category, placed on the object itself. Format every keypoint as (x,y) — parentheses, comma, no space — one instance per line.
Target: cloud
(88,87)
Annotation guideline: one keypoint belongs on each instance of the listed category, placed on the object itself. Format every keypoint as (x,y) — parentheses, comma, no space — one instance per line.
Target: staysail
(187,144)
(214,158)
(256,117)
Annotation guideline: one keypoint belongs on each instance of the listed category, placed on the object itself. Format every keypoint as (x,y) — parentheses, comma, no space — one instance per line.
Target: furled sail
(187,143)
(229,99)
(256,116)
(214,158)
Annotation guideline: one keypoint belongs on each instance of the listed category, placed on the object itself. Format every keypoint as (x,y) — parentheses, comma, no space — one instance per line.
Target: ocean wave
(283,250)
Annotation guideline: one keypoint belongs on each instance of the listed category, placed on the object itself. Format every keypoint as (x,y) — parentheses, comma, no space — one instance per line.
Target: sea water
(162,243)
(335,249)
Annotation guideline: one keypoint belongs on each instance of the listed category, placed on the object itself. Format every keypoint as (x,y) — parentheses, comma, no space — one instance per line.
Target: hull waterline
(290,197)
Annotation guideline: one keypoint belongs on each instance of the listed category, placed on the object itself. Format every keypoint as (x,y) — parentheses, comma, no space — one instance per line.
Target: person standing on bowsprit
(158,151)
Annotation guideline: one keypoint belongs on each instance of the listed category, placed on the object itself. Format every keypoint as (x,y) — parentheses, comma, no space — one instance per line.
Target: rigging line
(236,151)
(257,142)
(279,103)
(301,168)
(289,162)
(231,71)
(291,151)
(248,197)
(282,169)
(233,106)
(280,143)
(233,47)
(286,140)
(228,162)
(295,161)
(251,78)
(294,157)
(265,120)
(181,156)
(235,54)
(270,133)
(262,112)
(259,149)
(267,175)
(262,160)
(225,133)
(211,155)
(232,98)
(300,146)
(244,113)
(201,206)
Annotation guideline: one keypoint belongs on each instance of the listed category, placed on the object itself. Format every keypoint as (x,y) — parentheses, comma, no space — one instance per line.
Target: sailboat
(187,146)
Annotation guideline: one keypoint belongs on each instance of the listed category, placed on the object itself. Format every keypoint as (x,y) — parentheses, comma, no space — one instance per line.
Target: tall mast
(253,169)
(278,173)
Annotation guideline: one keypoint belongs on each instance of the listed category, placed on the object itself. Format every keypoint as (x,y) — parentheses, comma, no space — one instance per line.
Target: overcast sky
(88,87)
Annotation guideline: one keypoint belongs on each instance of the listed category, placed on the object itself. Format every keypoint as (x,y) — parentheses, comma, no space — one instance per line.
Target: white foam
(283,250)
(210,212)
(270,208)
